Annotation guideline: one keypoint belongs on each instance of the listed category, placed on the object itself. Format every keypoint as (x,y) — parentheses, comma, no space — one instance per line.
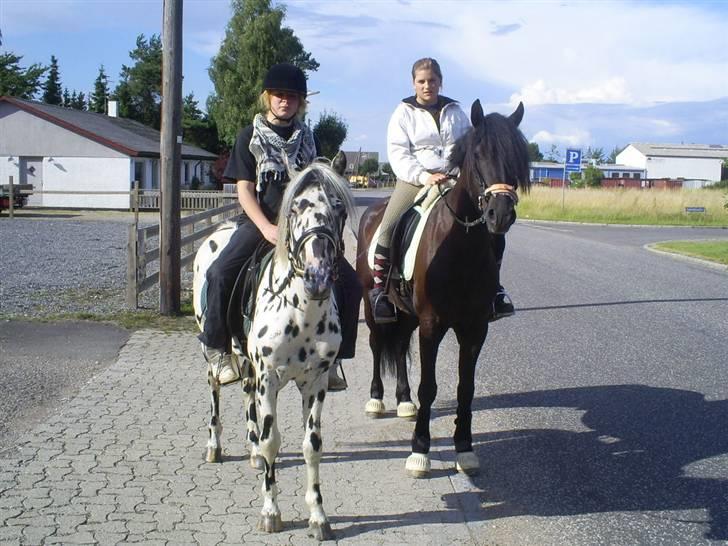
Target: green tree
(614,153)
(197,127)
(66,98)
(52,85)
(368,166)
(99,97)
(554,154)
(139,91)
(79,102)
(16,81)
(591,177)
(534,154)
(331,131)
(254,41)
(594,155)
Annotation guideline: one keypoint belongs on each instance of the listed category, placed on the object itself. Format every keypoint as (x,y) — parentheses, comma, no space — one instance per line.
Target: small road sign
(573,161)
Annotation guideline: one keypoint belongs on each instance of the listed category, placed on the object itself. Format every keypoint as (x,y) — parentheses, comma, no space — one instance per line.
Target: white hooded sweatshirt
(415,146)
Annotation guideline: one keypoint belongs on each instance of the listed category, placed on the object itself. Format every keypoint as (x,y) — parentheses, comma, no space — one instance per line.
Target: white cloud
(546,138)
(610,91)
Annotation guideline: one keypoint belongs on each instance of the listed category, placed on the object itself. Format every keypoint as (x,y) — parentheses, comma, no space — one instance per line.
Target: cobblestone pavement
(122,462)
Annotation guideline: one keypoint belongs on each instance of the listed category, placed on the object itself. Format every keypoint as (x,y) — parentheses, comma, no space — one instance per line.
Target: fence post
(11,198)
(132,287)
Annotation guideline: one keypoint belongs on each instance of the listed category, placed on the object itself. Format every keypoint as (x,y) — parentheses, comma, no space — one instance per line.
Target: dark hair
(427,63)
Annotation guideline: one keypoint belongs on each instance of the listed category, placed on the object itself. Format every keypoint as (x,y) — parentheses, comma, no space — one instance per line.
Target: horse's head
(493,159)
(311,225)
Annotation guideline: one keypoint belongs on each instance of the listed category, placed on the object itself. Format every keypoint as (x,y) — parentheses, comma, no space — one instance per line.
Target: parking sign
(573,161)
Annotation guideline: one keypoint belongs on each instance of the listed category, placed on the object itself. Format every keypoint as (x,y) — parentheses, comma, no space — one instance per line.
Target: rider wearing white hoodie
(420,137)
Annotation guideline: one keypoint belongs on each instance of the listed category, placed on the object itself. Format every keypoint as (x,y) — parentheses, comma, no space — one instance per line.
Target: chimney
(112,108)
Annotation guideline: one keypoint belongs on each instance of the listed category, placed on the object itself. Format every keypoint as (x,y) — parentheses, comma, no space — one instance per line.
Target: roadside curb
(683,257)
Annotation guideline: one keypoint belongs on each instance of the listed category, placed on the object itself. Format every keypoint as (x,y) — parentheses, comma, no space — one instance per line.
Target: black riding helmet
(285,77)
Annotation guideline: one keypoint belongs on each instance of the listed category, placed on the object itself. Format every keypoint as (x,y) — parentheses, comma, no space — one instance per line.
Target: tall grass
(625,206)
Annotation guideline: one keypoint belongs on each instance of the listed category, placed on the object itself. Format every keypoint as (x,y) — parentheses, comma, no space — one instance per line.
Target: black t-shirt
(242,166)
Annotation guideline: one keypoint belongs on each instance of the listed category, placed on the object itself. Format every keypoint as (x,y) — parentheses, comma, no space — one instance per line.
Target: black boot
(382,308)
(502,305)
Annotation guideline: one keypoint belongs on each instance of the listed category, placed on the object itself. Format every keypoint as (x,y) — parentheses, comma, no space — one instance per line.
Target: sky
(599,73)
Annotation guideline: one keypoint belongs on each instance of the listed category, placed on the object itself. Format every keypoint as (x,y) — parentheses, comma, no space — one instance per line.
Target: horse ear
(517,116)
(476,113)
(339,162)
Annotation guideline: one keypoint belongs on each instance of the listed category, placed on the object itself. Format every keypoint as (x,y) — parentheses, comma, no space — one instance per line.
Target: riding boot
(382,309)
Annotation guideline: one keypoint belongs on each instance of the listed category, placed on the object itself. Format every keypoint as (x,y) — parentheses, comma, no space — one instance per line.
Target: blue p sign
(573,160)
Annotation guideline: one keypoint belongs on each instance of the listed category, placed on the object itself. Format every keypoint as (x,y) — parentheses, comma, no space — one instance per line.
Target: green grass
(625,206)
(714,251)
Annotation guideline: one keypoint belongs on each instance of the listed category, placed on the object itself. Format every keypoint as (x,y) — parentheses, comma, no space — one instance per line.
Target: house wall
(632,157)
(683,167)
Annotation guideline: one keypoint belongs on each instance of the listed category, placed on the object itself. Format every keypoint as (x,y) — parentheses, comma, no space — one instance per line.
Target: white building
(689,161)
(65,150)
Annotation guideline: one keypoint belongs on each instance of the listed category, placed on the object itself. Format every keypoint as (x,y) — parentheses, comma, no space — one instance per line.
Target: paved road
(599,419)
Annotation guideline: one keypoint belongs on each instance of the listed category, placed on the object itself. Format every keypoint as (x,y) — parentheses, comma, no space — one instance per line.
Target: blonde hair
(264,105)
(427,63)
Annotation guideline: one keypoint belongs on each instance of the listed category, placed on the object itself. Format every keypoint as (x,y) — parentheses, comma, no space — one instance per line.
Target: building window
(139,172)
(615,175)
(635,175)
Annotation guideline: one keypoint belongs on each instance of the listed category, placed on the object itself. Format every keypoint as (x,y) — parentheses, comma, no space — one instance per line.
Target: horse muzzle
(317,281)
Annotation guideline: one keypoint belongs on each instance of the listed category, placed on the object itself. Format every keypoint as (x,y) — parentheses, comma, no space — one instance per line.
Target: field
(625,206)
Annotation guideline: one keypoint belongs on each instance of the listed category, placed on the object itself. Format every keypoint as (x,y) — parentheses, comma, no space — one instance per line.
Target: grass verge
(713,251)
(625,206)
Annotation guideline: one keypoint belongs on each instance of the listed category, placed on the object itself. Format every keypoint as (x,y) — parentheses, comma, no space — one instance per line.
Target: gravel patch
(51,265)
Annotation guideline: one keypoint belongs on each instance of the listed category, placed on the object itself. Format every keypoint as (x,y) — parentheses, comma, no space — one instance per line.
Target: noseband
(318,232)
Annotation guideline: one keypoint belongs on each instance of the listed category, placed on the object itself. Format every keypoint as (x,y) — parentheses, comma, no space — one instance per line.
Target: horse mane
(332,184)
(502,146)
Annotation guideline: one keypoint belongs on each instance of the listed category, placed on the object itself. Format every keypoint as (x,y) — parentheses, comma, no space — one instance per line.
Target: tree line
(255,39)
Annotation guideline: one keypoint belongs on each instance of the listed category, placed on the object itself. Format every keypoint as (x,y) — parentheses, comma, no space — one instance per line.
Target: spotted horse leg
(319,527)
(269,443)
(214,441)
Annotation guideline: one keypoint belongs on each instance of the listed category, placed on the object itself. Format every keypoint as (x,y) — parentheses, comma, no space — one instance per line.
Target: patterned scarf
(274,156)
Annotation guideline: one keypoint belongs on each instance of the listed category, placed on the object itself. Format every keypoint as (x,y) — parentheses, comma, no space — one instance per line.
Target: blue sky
(595,73)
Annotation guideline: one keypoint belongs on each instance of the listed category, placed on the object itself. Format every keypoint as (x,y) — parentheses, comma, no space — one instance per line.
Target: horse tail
(394,346)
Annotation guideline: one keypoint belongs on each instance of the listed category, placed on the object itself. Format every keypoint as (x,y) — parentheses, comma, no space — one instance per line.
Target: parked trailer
(20,195)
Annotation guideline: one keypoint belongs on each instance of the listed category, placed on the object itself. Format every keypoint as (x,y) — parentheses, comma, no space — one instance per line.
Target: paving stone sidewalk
(123,463)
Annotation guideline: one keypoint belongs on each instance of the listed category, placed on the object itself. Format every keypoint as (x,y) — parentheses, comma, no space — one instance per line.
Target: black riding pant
(224,271)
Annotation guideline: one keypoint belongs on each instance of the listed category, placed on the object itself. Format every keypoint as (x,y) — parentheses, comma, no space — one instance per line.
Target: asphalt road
(43,364)
(601,406)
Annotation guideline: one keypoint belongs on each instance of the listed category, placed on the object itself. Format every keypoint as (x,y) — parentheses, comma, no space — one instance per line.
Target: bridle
(484,195)
(317,232)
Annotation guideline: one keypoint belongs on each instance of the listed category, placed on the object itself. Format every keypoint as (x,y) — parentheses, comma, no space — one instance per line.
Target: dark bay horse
(455,278)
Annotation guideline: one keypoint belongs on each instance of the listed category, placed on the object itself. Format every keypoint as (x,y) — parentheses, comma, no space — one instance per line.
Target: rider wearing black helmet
(276,140)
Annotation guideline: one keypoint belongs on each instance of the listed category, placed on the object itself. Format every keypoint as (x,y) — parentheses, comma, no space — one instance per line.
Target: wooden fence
(143,247)
(190,199)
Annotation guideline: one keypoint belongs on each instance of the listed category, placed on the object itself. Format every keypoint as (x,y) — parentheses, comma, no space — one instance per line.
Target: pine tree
(80,101)
(331,133)
(254,41)
(16,81)
(139,91)
(97,100)
(66,98)
(52,85)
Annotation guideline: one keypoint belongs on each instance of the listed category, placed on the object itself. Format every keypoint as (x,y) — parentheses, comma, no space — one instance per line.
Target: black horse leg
(377,387)
(430,337)
(403,388)
(470,345)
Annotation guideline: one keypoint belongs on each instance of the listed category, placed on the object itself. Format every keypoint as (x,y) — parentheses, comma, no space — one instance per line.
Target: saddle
(241,307)
(406,237)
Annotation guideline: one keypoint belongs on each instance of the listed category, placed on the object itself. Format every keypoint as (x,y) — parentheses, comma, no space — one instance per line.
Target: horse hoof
(467,463)
(320,531)
(418,465)
(407,410)
(257,462)
(374,408)
(270,524)
(213,455)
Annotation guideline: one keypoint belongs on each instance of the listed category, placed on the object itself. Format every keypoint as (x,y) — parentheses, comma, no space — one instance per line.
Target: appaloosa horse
(294,334)
(455,279)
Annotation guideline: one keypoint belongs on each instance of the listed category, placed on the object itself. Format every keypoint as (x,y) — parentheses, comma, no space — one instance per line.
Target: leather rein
(484,197)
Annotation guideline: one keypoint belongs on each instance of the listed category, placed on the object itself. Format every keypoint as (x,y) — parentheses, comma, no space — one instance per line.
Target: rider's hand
(270,232)
(436,178)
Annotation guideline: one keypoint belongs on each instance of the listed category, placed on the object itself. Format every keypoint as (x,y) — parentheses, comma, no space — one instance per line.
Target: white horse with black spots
(295,332)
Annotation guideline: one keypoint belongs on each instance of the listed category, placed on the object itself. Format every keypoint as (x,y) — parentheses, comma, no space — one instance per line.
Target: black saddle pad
(242,300)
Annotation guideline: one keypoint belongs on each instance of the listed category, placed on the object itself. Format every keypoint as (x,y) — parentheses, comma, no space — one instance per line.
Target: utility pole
(170,155)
